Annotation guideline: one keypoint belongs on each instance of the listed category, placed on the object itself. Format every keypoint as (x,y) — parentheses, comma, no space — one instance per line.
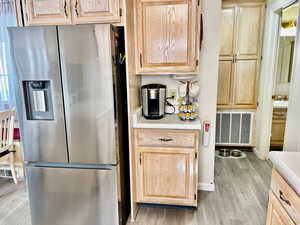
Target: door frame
(268,74)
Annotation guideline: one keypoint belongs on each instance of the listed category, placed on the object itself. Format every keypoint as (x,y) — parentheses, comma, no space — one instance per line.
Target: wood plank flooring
(240,198)
(14,208)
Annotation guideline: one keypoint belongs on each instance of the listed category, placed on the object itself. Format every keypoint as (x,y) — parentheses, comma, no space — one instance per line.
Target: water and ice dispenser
(38,100)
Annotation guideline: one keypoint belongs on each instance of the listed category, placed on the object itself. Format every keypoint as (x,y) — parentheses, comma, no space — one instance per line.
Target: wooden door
(167,36)
(224,83)
(166,176)
(227,45)
(244,83)
(96,11)
(276,213)
(250,20)
(47,12)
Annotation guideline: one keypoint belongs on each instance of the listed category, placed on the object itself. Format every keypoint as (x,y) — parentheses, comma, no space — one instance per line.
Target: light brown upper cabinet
(250,21)
(224,84)
(240,54)
(244,83)
(46,12)
(237,84)
(95,11)
(227,32)
(167,36)
(241,31)
(63,12)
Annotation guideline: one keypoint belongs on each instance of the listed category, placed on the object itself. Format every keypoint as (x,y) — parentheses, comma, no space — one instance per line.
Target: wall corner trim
(206,187)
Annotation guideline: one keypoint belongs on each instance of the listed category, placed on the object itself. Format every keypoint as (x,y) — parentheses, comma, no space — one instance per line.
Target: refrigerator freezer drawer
(64,196)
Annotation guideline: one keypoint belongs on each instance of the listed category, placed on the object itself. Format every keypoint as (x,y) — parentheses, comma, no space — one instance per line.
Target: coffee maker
(153,101)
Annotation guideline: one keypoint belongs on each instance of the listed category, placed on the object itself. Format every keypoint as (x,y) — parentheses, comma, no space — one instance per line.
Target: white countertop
(168,122)
(280,104)
(288,165)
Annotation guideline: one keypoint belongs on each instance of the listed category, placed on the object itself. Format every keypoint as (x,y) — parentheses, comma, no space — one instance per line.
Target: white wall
(208,79)
(292,133)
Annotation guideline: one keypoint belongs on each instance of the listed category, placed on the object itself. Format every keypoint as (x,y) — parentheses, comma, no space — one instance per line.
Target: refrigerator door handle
(70,165)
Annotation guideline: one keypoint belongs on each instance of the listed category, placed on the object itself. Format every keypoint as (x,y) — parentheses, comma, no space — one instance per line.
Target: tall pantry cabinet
(240,54)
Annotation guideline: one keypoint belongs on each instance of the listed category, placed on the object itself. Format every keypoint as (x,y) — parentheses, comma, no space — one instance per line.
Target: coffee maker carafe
(153,101)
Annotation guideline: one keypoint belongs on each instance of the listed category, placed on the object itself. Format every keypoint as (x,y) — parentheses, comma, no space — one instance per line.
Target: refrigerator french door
(68,113)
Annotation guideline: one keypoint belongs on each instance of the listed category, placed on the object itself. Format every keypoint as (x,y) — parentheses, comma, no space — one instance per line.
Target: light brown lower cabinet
(276,213)
(166,175)
(278,130)
(278,127)
(284,202)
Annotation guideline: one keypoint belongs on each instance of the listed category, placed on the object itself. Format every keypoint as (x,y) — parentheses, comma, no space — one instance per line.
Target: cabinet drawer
(166,138)
(276,213)
(286,195)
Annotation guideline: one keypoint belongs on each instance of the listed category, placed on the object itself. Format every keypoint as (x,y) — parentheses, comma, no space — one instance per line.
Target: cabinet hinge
(140,158)
(197,62)
(141,60)
(196,155)
(195,197)
(121,13)
(25,8)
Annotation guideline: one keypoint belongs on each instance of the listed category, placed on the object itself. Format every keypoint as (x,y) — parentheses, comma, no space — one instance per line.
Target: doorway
(277,75)
(283,74)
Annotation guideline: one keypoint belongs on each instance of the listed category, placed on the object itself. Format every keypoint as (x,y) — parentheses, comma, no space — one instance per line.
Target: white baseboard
(206,187)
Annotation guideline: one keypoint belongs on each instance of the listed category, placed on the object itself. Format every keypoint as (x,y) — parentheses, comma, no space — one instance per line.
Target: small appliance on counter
(188,108)
(154,101)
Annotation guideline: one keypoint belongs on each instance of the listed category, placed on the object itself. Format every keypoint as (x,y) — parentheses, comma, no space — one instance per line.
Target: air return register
(234,128)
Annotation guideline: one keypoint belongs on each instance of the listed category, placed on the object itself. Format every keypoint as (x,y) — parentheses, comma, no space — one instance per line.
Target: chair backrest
(7,120)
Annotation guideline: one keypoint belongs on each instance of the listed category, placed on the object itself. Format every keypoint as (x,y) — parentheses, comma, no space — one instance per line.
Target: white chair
(7,120)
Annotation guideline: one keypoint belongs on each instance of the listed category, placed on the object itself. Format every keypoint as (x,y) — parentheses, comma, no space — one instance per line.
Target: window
(4,85)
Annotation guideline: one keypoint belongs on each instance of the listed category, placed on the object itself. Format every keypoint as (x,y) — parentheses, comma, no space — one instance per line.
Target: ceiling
(290,14)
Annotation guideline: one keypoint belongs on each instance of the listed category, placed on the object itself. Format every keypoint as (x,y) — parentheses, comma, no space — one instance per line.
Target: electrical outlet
(172,93)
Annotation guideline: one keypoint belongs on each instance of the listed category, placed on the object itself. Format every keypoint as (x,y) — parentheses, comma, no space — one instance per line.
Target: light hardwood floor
(240,199)
(14,209)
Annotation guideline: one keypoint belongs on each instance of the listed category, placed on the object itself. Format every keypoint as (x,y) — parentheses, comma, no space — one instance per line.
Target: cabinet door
(250,19)
(276,213)
(95,11)
(167,177)
(244,81)
(47,12)
(227,32)
(278,129)
(167,36)
(224,83)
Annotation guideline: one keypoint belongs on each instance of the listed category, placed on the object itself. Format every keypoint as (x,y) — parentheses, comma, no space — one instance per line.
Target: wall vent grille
(5,172)
(234,128)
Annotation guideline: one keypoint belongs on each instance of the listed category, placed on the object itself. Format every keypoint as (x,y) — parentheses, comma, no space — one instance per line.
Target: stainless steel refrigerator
(71,106)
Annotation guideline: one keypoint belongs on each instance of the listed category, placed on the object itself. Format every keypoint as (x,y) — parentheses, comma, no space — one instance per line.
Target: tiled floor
(240,199)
